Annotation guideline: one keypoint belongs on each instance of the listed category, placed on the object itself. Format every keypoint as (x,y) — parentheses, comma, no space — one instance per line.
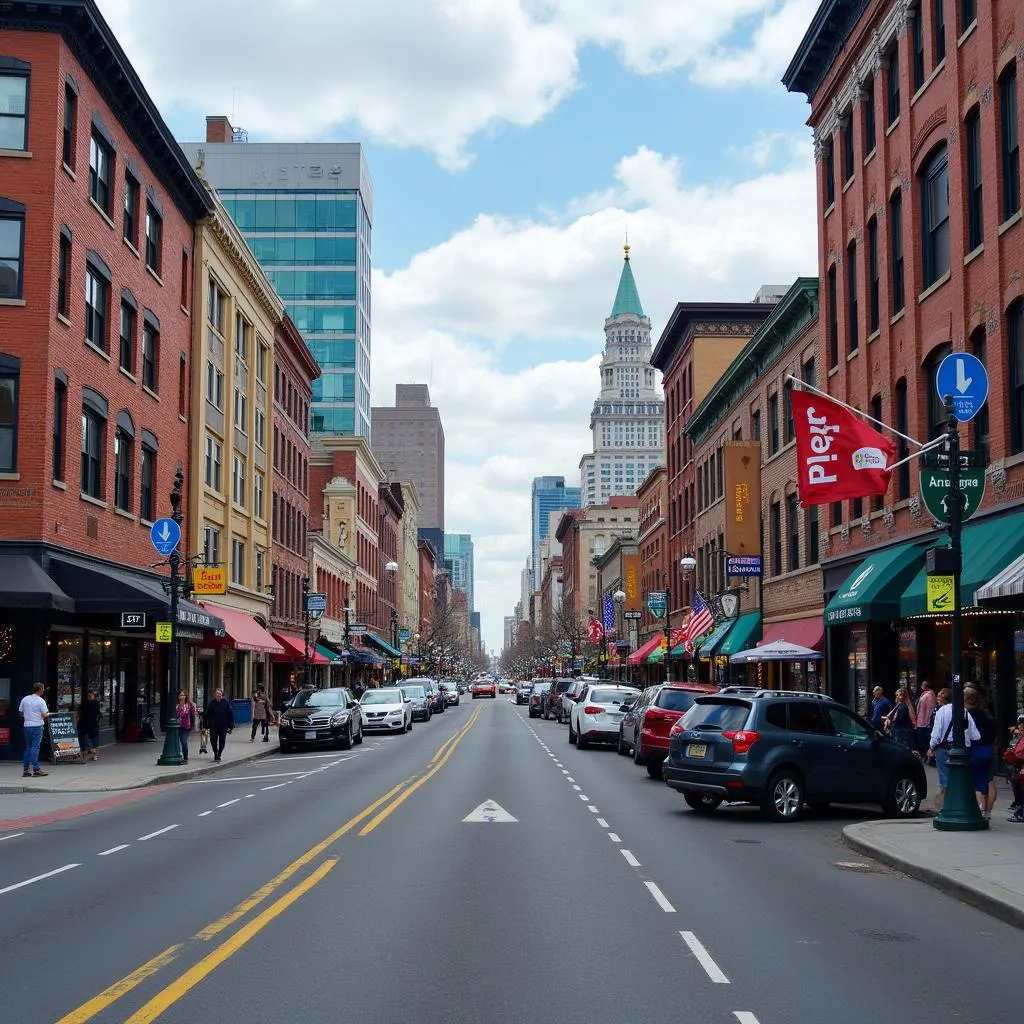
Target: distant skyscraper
(458,555)
(627,421)
(408,440)
(306,211)
(549,494)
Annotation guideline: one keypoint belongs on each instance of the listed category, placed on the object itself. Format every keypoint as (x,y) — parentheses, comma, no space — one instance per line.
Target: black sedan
(321,717)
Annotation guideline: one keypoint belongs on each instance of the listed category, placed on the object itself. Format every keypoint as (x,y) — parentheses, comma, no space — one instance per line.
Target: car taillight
(659,715)
(676,730)
(592,709)
(742,740)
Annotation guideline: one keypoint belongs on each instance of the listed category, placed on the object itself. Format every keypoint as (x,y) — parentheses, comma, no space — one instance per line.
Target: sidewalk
(124,766)
(984,869)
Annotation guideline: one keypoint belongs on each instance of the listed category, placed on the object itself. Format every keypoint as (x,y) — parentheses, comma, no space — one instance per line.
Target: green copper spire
(627,299)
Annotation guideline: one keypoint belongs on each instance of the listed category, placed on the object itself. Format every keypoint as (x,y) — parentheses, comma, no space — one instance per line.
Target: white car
(386,710)
(595,717)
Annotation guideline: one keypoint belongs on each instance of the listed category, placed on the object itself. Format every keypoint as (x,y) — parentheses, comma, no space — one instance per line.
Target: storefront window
(69,669)
(1018,661)
(101,676)
(857,661)
(148,694)
(6,671)
(908,660)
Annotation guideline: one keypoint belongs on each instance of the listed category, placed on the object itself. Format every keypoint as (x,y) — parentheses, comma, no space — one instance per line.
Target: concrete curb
(955,882)
(156,780)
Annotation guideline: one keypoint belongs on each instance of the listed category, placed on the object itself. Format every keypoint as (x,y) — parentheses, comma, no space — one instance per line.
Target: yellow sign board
(209,580)
(164,632)
(940,593)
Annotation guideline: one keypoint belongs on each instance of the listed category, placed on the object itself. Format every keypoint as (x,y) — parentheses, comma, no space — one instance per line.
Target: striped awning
(1007,583)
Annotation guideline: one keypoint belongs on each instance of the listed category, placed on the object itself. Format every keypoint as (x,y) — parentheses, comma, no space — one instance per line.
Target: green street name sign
(935,491)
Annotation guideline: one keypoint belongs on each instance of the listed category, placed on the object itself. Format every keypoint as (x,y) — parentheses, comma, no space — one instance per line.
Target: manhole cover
(887,936)
(749,842)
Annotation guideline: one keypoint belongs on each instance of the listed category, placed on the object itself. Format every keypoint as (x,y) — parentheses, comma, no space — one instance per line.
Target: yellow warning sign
(164,632)
(940,593)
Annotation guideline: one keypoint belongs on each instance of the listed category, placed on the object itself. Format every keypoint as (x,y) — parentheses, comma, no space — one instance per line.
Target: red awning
(639,656)
(295,650)
(806,632)
(243,632)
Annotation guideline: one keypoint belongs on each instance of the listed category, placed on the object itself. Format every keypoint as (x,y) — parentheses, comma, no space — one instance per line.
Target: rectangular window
(127,338)
(917,46)
(869,116)
(257,495)
(892,85)
(184,278)
(852,307)
(154,239)
(92,454)
(261,364)
(242,331)
(130,227)
(811,521)
(833,319)
(215,300)
(101,167)
(939,30)
(856,508)
(238,561)
(773,423)
(260,428)
(238,480)
(12,231)
(63,269)
(214,385)
(830,174)
(809,372)
(874,274)
(147,475)
(793,518)
(837,514)
(260,558)
(902,446)
(182,385)
(848,154)
(14,109)
(60,411)
(9,386)
(876,411)
(150,356)
(980,423)
(97,293)
(755,424)
(122,471)
(211,545)
(775,537)
(896,251)
(70,123)
(935,208)
(975,184)
(213,464)
(1015,323)
(790,429)
(968,14)
(241,411)
(1009,142)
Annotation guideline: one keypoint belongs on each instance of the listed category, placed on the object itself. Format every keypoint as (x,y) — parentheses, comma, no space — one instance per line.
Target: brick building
(427,590)
(652,541)
(917,123)
(391,509)
(749,404)
(97,211)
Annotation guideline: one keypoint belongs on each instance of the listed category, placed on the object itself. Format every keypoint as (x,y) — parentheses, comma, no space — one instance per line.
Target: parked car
(595,717)
(554,697)
(783,750)
(419,700)
(321,717)
(538,696)
(433,688)
(570,697)
(484,688)
(523,689)
(451,692)
(645,727)
(387,709)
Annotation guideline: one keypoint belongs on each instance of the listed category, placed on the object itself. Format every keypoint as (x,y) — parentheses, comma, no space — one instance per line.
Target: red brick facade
(652,542)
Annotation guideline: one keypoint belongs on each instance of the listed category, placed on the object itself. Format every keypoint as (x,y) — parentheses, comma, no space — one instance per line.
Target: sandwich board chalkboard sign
(63,731)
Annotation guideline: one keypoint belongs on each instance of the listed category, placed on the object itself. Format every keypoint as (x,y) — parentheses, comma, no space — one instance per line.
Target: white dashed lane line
(659,898)
(277,785)
(630,859)
(38,878)
(12,835)
(593,809)
(703,957)
(602,823)
(745,1017)
(614,838)
(229,803)
(584,797)
(203,814)
(114,849)
(158,832)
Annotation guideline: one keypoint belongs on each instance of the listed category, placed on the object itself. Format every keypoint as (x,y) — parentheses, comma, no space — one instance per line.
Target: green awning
(331,656)
(745,633)
(707,646)
(381,644)
(988,547)
(873,590)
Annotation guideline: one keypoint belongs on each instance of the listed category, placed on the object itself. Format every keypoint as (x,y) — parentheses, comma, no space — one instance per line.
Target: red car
(644,729)
(484,688)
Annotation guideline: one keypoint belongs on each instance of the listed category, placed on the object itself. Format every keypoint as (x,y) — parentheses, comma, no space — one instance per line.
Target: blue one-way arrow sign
(965,378)
(165,535)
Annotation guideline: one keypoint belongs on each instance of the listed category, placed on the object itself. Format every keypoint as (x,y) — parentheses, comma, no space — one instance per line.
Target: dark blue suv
(784,750)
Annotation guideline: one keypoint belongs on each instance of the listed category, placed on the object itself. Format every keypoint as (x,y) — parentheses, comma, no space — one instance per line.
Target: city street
(342,886)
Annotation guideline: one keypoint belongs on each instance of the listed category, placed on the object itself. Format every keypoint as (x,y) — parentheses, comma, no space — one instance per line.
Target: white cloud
(458,314)
(433,73)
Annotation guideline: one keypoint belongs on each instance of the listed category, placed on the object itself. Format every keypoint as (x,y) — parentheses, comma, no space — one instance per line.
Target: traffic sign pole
(172,754)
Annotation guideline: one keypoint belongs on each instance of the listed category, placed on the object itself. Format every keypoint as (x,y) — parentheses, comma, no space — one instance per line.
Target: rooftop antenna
(625,247)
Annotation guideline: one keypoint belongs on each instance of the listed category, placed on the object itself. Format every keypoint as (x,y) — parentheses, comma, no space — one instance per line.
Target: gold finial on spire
(625,247)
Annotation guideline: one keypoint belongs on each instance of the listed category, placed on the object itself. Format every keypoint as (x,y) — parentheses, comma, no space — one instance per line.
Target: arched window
(935,216)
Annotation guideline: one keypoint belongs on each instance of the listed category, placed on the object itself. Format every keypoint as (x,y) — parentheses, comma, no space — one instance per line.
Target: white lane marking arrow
(490,812)
(963,382)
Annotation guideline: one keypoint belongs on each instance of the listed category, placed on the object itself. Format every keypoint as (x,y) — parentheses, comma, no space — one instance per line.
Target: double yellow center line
(383,806)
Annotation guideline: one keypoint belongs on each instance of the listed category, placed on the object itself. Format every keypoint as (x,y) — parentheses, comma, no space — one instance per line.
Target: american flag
(609,612)
(700,620)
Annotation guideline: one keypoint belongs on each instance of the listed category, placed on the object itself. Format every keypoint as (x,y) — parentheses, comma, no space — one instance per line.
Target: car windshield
(675,700)
(609,696)
(381,697)
(414,691)
(714,715)
(320,699)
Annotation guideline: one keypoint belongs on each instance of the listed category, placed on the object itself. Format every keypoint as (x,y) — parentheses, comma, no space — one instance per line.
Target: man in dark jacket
(220,719)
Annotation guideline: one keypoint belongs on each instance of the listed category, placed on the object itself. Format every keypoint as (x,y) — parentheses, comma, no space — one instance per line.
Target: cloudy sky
(512,143)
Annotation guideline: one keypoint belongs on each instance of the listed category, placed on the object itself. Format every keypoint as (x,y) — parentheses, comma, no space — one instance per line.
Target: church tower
(628,419)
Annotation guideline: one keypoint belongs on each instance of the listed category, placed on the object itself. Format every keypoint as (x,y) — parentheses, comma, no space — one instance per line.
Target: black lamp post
(171,754)
(305,630)
(619,597)
(348,649)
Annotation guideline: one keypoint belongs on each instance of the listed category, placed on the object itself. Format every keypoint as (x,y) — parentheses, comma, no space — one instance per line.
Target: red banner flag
(838,455)
(595,631)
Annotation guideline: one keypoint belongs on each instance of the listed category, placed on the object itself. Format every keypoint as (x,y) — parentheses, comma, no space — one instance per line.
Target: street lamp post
(668,634)
(688,566)
(348,650)
(305,630)
(619,597)
(391,568)
(171,754)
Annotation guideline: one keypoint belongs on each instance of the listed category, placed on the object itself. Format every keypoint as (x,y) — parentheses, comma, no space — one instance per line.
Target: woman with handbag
(901,721)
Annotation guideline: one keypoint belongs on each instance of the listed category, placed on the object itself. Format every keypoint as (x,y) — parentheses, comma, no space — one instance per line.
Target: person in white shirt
(34,712)
(942,739)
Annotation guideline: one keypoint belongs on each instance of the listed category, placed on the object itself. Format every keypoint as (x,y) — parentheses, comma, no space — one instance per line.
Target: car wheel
(783,798)
(581,741)
(637,759)
(623,746)
(654,769)
(359,736)
(904,797)
(702,803)
(346,740)
(572,735)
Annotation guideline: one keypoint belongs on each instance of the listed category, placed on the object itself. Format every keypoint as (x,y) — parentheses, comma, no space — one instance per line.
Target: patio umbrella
(778,650)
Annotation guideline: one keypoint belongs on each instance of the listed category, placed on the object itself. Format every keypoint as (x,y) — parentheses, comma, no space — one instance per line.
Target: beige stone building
(409,562)
(237,311)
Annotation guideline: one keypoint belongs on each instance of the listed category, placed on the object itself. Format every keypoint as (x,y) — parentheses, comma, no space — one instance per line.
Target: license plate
(697,750)
(311,735)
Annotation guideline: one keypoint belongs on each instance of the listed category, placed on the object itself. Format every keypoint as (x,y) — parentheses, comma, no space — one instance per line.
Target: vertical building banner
(631,582)
(743,498)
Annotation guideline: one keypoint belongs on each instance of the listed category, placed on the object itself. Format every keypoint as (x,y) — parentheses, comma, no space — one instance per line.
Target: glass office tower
(306,211)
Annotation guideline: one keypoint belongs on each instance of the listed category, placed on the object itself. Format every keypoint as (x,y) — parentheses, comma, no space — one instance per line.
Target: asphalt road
(348,887)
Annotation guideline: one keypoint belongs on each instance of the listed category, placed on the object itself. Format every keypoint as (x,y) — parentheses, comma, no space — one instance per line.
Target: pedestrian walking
(260,716)
(1013,758)
(926,705)
(34,713)
(982,751)
(220,718)
(89,725)
(188,719)
(901,721)
(941,740)
(880,707)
